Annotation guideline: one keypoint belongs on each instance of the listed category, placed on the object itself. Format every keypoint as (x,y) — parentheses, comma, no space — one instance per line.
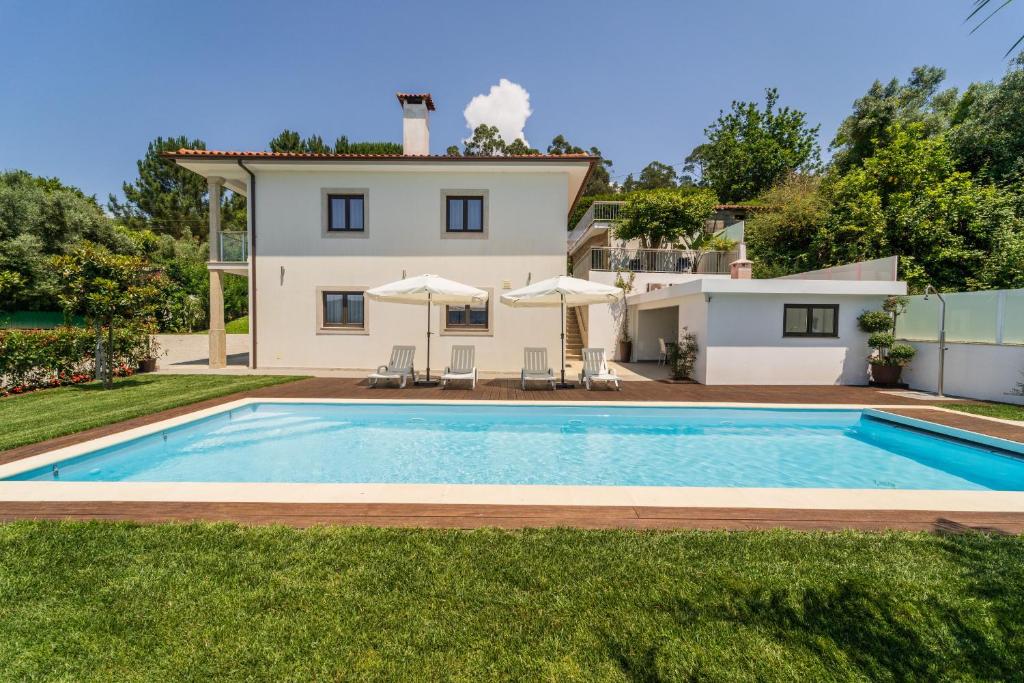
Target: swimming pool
(553,445)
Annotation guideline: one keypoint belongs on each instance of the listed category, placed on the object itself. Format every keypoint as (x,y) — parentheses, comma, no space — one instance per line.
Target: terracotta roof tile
(425,96)
(222,154)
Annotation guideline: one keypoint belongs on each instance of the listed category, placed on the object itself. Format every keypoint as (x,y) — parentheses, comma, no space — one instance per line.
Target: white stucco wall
(981,371)
(651,325)
(746,346)
(603,325)
(525,237)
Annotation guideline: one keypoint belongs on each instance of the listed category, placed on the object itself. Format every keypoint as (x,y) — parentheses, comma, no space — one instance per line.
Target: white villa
(323,228)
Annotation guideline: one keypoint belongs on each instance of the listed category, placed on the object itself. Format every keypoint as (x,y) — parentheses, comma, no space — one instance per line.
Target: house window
(464,213)
(345,212)
(807,320)
(345,310)
(467,317)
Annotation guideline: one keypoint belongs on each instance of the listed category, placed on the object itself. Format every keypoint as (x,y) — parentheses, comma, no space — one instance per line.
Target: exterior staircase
(573,336)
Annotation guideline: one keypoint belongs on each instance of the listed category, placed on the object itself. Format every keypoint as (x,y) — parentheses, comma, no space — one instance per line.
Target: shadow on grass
(851,627)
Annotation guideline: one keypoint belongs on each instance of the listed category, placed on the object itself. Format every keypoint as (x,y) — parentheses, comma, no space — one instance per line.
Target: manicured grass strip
(1004,411)
(238,326)
(100,601)
(50,413)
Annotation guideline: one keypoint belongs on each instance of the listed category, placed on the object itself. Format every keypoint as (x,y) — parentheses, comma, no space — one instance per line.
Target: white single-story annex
(800,329)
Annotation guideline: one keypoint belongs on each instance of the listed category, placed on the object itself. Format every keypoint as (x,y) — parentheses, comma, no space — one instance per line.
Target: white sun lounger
(535,367)
(595,369)
(399,367)
(462,366)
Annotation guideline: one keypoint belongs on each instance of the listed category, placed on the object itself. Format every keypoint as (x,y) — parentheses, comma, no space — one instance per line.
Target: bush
(36,359)
(900,354)
(875,321)
(683,355)
(881,340)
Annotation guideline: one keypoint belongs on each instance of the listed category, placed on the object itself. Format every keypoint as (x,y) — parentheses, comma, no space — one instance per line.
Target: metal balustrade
(652,261)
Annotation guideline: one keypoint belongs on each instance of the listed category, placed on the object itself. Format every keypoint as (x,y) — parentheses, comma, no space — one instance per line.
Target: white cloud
(506,106)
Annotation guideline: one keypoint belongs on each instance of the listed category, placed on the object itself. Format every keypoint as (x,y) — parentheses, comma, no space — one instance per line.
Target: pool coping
(507,494)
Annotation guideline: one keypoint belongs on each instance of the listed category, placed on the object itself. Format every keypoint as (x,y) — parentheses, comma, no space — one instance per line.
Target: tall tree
(600,181)
(40,217)
(487,142)
(919,100)
(751,148)
(988,131)
(664,217)
(287,141)
(654,176)
(109,290)
(165,198)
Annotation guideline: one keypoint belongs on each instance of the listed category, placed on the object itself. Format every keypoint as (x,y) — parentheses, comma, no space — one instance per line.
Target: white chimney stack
(416,122)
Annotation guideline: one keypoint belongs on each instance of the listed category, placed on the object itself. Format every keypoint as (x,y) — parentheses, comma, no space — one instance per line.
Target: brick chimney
(416,122)
(741,268)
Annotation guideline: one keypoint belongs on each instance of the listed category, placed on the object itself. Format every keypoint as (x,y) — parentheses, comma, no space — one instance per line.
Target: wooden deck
(520,516)
(512,516)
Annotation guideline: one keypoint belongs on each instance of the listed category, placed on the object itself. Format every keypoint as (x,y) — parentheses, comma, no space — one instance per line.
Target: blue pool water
(617,446)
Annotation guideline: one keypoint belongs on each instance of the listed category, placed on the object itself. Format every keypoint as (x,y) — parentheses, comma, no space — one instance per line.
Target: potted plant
(888,357)
(625,339)
(682,356)
(150,351)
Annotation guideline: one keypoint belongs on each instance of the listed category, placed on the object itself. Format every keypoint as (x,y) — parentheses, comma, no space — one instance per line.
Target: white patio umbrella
(562,291)
(428,289)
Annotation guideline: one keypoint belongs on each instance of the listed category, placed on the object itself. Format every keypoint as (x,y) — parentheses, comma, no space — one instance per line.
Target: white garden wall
(980,371)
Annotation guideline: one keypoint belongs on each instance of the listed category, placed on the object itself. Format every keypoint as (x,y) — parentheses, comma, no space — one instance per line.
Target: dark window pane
(337,213)
(355,213)
(455,209)
(478,316)
(475,214)
(355,309)
(823,321)
(333,308)
(796,321)
(456,316)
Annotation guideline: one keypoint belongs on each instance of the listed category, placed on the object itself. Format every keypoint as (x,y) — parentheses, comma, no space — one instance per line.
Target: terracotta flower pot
(885,374)
(625,351)
(147,365)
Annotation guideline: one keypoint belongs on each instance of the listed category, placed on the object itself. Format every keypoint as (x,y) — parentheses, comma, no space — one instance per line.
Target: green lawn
(54,412)
(103,601)
(1005,411)
(238,326)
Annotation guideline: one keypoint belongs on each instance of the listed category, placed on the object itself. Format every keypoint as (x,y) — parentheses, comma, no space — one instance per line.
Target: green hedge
(34,359)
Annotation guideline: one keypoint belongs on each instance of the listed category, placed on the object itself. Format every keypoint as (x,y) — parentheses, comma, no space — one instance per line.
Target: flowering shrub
(36,359)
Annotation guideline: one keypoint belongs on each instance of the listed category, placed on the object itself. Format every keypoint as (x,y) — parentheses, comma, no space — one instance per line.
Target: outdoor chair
(662,351)
(399,367)
(463,366)
(535,367)
(595,369)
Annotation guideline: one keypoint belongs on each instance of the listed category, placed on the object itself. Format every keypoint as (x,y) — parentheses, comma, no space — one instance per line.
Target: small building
(799,329)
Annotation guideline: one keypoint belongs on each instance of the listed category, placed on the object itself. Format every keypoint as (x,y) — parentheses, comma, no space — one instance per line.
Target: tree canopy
(654,176)
(600,181)
(664,216)
(487,142)
(291,141)
(751,148)
(926,174)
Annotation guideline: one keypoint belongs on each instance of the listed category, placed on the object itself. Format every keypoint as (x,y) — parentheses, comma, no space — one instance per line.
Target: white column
(217,336)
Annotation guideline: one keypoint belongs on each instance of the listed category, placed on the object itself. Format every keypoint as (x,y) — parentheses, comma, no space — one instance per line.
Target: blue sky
(85,86)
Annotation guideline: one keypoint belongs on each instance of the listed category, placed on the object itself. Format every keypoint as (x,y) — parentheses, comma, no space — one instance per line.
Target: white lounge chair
(462,367)
(595,369)
(535,367)
(399,367)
